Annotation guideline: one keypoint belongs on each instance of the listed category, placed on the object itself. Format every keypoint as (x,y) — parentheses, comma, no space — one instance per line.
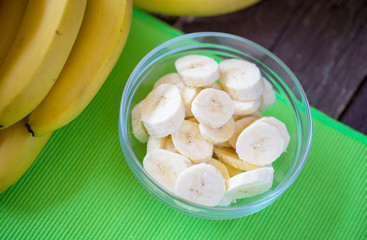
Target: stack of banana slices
(54,57)
(207,141)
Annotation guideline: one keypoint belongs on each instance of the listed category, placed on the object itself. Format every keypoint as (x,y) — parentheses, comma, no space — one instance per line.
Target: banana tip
(29,129)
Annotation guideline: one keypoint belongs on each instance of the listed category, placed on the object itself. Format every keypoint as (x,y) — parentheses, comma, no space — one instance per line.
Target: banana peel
(198,8)
(18,150)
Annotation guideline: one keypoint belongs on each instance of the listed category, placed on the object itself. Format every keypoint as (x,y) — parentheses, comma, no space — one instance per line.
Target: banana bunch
(202,8)
(54,57)
(207,142)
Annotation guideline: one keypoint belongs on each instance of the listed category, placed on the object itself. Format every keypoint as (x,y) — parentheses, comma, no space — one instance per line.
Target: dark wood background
(323,42)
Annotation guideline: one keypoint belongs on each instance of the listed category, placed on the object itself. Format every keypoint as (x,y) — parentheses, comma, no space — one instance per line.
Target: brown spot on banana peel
(29,129)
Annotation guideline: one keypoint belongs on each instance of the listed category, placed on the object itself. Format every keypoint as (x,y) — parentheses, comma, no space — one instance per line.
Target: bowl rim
(258,204)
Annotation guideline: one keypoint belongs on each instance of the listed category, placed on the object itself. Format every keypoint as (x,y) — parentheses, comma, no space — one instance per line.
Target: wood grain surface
(323,42)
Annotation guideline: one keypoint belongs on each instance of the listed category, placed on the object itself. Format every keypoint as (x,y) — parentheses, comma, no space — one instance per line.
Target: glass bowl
(291,107)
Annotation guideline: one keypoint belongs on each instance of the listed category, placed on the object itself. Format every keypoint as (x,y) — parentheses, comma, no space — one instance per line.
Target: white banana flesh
(212,107)
(201,184)
(197,70)
(156,143)
(139,130)
(241,79)
(163,111)
(251,183)
(170,78)
(259,144)
(187,93)
(239,125)
(282,128)
(217,135)
(165,166)
(188,141)
(268,97)
(246,107)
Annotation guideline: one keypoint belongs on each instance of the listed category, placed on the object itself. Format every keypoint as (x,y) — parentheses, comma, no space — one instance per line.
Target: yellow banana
(203,8)
(98,46)
(18,150)
(11,15)
(37,55)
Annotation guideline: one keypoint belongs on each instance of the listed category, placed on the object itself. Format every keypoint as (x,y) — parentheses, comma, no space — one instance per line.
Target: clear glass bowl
(291,107)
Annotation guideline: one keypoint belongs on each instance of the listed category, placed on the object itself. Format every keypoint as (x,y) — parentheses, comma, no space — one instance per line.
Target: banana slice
(246,107)
(241,79)
(197,70)
(169,145)
(188,141)
(187,93)
(139,130)
(282,128)
(163,110)
(202,184)
(230,157)
(221,167)
(251,183)
(268,97)
(217,135)
(170,78)
(212,107)
(239,125)
(165,166)
(260,144)
(156,143)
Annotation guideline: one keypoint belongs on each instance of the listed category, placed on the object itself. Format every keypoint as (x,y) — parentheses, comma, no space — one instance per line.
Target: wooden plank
(355,114)
(326,46)
(260,23)
(166,18)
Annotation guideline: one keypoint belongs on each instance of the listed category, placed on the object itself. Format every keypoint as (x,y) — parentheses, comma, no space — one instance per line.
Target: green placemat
(80,187)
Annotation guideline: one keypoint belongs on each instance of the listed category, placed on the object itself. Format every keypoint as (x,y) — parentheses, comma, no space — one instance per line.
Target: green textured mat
(80,187)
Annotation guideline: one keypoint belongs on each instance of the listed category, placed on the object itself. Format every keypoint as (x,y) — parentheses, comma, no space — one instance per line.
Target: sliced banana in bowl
(206,141)
(197,70)
(162,111)
(251,183)
(260,144)
(241,79)
(202,184)
(165,166)
(188,141)
(217,135)
(212,107)
(272,131)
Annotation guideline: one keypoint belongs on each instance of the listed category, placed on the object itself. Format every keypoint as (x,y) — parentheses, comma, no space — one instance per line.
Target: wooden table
(323,42)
